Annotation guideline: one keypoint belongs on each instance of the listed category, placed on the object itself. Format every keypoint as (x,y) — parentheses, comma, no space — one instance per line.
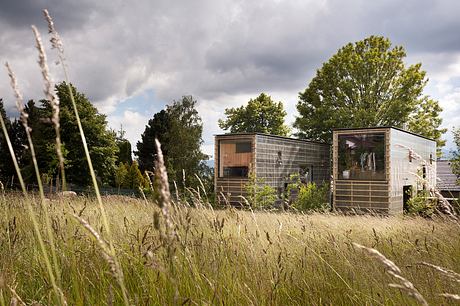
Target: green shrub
(259,195)
(421,204)
(312,197)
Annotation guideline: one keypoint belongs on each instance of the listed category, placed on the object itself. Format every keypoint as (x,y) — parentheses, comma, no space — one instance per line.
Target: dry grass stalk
(16,298)
(165,196)
(23,117)
(104,245)
(394,271)
(58,45)
(449,273)
(53,99)
(451,296)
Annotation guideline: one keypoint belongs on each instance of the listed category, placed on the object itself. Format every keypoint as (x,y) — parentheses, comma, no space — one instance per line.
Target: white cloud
(133,124)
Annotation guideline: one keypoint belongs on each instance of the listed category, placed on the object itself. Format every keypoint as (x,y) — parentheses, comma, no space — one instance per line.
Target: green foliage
(124,148)
(179,129)
(6,165)
(134,178)
(158,128)
(455,162)
(261,115)
(259,195)
(426,121)
(120,174)
(366,84)
(101,141)
(421,204)
(312,198)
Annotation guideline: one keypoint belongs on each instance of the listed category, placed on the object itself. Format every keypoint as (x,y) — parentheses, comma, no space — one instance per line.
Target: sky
(131,58)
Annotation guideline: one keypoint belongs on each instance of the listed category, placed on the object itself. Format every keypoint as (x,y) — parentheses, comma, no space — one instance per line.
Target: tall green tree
(100,140)
(179,129)
(120,174)
(124,148)
(133,177)
(157,127)
(6,168)
(426,121)
(366,84)
(456,158)
(261,115)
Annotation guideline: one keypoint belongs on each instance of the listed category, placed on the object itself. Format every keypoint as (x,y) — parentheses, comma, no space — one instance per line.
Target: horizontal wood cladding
(363,210)
(350,194)
(230,191)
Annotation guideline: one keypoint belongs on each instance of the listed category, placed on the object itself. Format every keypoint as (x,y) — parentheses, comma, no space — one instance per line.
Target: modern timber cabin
(273,159)
(376,169)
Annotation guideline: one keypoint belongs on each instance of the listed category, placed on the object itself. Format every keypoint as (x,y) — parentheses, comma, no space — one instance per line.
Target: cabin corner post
(216,167)
(334,167)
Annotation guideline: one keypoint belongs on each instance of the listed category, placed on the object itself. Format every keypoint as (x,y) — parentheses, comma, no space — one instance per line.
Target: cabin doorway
(407,194)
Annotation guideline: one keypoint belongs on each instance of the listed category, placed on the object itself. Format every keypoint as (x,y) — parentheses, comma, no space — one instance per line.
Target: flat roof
(274,136)
(381,127)
(447,180)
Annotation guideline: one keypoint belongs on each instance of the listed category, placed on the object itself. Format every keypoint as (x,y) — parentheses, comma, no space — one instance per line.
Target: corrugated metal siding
(294,154)
(403,171)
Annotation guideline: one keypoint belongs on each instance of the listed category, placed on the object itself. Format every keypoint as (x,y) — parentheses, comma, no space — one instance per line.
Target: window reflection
(362,156)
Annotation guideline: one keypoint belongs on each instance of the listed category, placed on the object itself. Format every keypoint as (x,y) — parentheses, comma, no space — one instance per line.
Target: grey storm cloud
(216,50)
(206,47)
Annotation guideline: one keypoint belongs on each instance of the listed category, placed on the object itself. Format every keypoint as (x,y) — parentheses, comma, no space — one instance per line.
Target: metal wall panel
(406,166)
(277,158)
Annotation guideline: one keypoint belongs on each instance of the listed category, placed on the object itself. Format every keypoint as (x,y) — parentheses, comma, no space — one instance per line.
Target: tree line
(364,84)
(178,127)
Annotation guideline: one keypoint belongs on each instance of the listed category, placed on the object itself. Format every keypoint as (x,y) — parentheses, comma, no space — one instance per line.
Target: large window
(234,158)
(362,156)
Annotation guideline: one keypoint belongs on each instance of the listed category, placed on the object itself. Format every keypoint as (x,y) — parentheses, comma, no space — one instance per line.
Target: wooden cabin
(375,169)
(270,158)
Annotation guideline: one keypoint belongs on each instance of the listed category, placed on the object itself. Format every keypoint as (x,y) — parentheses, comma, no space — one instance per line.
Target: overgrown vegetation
(307,196)
(421,203)
(259,194)
(223,257)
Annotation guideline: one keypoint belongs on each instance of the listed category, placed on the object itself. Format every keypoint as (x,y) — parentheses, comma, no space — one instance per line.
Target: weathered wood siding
(295,153)
(404,168)
(231,190)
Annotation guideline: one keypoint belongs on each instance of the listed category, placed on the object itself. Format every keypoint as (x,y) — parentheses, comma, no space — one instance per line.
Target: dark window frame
(243,147)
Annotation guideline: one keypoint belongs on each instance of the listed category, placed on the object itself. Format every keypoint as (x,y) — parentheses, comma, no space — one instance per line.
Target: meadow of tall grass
(221,256)
(163,250)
